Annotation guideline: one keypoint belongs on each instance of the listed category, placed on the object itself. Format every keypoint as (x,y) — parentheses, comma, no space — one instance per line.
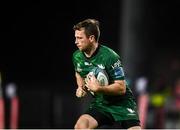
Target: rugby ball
(101,75)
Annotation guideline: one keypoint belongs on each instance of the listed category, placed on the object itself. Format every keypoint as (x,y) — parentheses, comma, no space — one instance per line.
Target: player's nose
(76,42)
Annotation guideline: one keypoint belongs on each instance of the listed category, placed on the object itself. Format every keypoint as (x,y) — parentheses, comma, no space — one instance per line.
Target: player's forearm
(80,92)
(80,80)
(117,88)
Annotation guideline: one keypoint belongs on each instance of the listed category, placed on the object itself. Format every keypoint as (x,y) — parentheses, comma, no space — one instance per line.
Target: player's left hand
(92,83)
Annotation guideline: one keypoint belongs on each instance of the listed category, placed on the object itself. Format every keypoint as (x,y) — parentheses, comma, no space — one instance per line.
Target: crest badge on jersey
(101,66)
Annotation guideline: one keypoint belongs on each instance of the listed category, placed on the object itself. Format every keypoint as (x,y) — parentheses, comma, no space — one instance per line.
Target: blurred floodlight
(11,90)
(141,84)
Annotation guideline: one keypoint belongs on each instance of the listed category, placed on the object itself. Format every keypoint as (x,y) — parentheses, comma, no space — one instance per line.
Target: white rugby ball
(101,75)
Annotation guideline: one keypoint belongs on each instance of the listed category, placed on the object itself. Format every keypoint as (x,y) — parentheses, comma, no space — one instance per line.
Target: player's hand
(92,83)
(80,92)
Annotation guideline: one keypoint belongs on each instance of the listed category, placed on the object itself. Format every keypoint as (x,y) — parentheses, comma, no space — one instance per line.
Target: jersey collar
(96,51)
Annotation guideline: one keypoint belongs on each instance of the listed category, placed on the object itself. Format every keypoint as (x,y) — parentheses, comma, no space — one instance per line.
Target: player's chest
(85,66)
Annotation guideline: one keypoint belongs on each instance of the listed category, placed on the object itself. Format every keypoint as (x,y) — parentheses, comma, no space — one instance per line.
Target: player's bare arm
(116,88)
(80,92)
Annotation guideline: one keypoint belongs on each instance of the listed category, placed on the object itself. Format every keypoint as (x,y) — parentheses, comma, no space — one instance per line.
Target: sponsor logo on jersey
(116,64)
(101,66)
(118,71)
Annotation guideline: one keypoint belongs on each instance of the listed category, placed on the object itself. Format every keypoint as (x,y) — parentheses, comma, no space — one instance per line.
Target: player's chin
(81,49)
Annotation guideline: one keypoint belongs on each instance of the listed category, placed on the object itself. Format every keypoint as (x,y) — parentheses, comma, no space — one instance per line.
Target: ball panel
(101,75)
(102,78)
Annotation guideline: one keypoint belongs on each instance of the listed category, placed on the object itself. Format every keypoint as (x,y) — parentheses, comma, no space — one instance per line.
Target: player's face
(82,41)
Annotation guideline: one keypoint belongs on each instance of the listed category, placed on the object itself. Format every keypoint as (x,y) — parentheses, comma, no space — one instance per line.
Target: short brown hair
(91,27)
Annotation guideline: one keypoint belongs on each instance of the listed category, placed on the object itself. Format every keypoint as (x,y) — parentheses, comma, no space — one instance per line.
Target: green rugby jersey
(105,58)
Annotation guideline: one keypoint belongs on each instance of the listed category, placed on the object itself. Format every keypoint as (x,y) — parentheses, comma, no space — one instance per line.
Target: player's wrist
(80,92)
(81,86)
(100,89)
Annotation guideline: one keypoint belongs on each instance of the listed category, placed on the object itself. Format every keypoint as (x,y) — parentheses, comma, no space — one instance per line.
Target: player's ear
(91,38)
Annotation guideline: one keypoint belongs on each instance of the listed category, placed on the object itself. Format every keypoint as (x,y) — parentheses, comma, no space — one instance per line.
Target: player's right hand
(80,92)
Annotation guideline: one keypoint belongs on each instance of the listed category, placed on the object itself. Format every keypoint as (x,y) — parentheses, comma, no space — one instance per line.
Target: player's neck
(91,50)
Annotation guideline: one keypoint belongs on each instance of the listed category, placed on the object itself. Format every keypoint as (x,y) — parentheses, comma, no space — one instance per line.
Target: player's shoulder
(109,51)
(77,53)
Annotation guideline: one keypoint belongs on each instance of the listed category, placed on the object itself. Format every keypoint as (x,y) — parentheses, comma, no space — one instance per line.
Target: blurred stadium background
(37,42)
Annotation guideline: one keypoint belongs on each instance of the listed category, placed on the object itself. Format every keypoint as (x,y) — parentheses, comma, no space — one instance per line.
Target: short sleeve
(74,61)
(115,68)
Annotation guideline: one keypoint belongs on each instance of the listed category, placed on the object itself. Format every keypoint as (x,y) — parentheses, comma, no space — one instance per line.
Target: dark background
(37,42)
